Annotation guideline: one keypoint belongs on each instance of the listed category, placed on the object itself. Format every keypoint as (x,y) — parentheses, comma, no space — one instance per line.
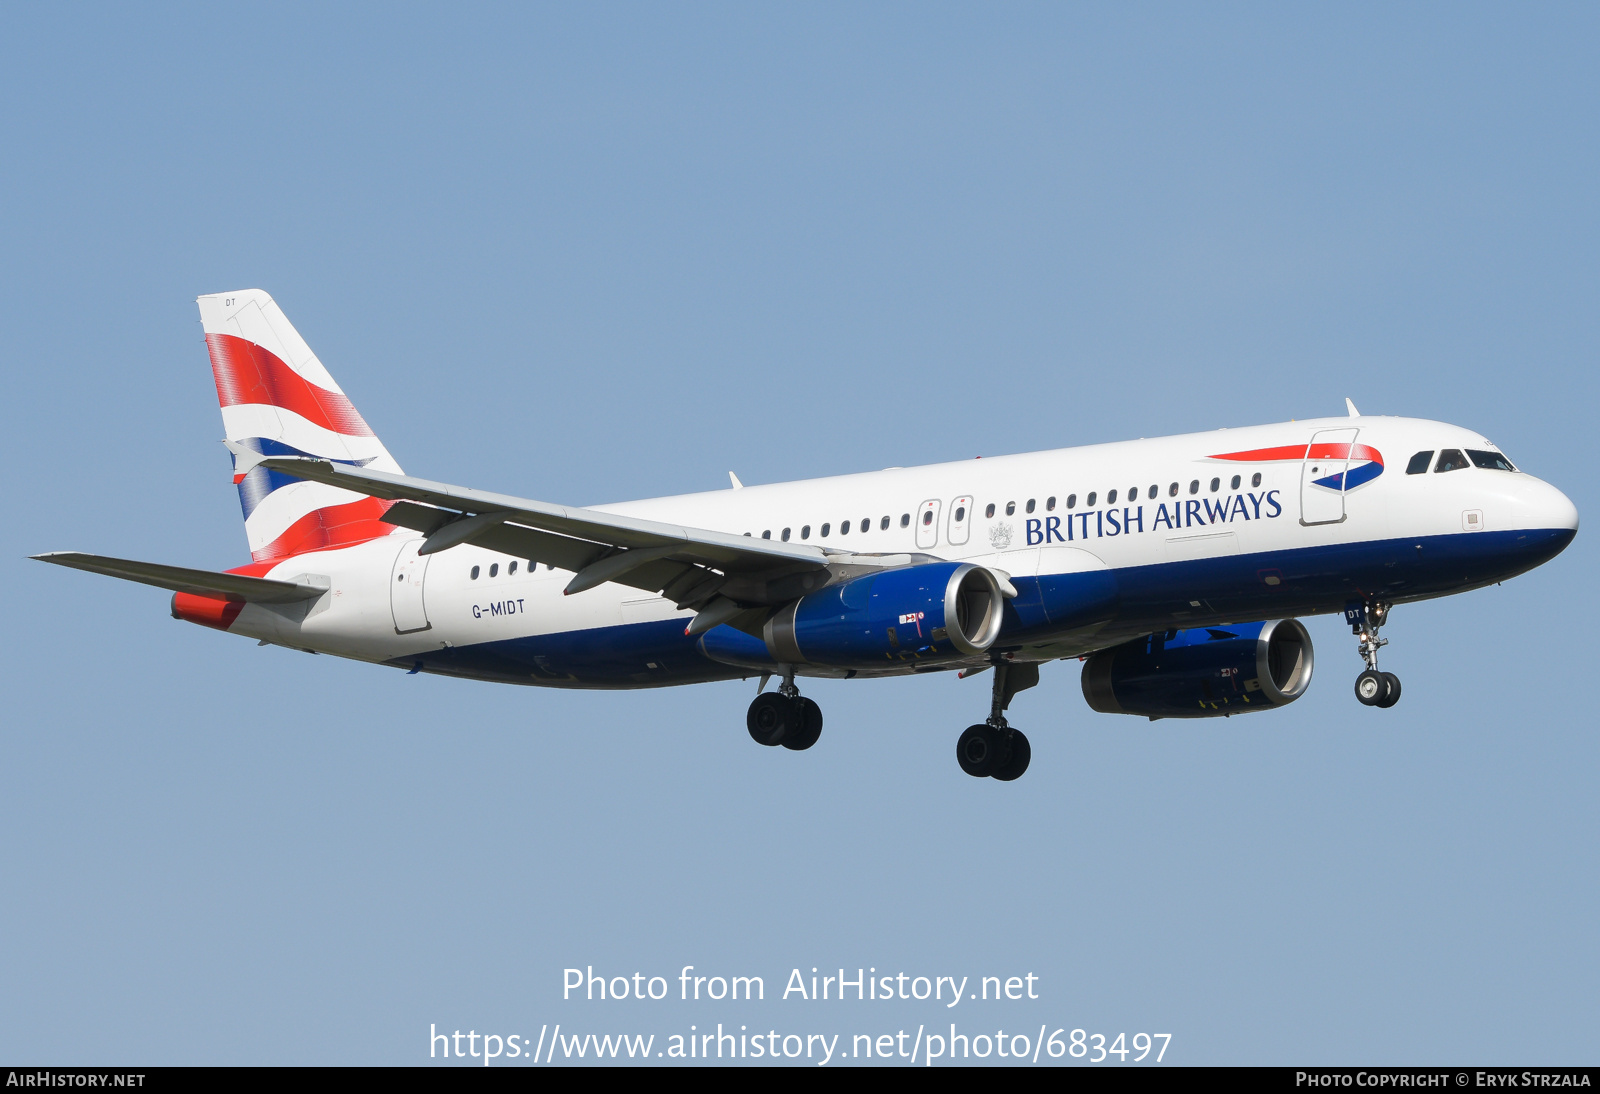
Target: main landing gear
(1373,688)
(993,749)
(784,717)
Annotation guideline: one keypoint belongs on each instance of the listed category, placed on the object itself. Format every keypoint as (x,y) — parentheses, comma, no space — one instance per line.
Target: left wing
(722,575)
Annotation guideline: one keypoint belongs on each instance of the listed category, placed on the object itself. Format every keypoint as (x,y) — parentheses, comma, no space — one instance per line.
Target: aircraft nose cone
(1550,508)
(1548,518)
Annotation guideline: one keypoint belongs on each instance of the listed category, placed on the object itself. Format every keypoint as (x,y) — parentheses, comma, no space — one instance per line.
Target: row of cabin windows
(865,524)
(1111,496)
(844,528)
(1453,459)
(1011,508)
(494,569)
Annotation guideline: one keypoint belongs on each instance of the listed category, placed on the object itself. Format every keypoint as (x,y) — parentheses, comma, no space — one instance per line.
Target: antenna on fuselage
(1351,407)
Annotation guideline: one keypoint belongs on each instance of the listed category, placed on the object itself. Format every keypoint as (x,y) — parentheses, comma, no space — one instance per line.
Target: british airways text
(1102,523)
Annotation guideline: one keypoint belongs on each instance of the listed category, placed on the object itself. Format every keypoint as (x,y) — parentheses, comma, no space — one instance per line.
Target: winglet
(1351,407)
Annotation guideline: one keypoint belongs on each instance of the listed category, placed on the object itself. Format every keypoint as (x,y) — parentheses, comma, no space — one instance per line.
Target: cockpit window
(1450,459)
(1419,463)
(1492,461)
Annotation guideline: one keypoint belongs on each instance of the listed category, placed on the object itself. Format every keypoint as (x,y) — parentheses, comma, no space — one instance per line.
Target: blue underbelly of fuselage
(1131,601)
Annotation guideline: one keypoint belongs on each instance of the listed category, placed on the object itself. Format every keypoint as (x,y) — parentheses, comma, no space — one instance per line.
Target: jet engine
(932,612)
(1204,672)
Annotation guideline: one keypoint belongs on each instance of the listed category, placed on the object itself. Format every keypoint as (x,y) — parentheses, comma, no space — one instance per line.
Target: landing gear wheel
(982,750)
(807,726)
(1021,753)
(771,718)
(1372,688)
(1392,695)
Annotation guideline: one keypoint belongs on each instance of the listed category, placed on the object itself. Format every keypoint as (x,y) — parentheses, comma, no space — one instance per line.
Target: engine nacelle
(935,611)
(1205,672)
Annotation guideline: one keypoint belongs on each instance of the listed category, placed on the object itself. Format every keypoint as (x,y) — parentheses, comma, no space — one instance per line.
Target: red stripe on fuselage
(1324,451)
(246,373)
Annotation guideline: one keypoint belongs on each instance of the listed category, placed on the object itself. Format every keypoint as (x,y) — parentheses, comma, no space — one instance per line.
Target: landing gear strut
(784,717)
(993,749)
(1373,688)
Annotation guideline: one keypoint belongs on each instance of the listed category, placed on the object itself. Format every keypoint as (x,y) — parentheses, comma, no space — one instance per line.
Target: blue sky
(598,253)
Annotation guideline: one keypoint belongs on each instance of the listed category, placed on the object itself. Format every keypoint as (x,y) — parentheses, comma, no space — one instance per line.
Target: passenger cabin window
(885,524)
(767,534)
(989,510)
(805,531)
(1490,461)
(1111,498)
(1450,459)
(844,528)
(1255,480)
(961,513)
(511,569)
(905,520)
(866,523)
(1030,505)
(786,535)
(825,528)
(1072,501)
(1011,508)
(1133,495)
(474,573)
(927,518)
(1049,505)
(1090,499)
(1172,491)
(1215,483)
(1155,492)
(1194,486)
(494,570)
(1419,463)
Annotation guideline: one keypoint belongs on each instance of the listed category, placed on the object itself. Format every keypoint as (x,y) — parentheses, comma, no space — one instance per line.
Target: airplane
(1175,568)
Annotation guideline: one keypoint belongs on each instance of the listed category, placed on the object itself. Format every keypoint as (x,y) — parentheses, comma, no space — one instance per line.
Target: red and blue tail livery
(1173,572)
(278,400)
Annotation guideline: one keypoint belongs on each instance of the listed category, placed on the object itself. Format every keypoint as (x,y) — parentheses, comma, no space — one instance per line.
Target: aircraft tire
(981,750)
(770,718)
(1021,754)
(1371,688)
(1392,695)
(807,727)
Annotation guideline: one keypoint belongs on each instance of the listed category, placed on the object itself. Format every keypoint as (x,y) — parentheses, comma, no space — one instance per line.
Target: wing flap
(184,580)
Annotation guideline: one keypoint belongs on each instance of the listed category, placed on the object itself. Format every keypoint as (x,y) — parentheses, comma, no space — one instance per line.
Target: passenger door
(1322,476)
(405,589)
(960,521)
(928,525)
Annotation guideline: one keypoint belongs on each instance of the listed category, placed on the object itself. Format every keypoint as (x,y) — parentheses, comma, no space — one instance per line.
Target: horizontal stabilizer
(184,580)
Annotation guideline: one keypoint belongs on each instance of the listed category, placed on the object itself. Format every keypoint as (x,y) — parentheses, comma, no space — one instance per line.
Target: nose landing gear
(784,717)
(993,749)
(1373,688)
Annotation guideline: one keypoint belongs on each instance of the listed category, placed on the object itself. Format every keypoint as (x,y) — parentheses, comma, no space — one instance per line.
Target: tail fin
(278,400)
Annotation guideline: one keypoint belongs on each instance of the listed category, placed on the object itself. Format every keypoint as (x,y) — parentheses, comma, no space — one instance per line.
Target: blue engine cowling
(932,612)
(1206,672)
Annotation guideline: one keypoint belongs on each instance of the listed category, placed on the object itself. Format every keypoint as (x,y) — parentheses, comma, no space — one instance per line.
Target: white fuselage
(1162,514)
